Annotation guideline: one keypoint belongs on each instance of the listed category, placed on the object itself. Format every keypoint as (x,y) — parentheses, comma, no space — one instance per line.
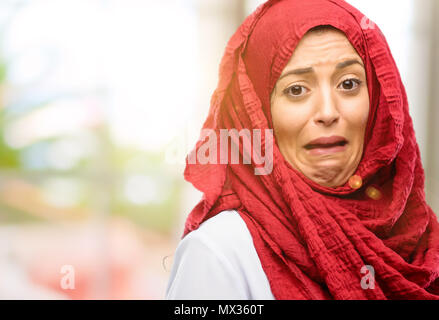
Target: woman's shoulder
(225,230)
(227,218)
(226,236)
(219,254)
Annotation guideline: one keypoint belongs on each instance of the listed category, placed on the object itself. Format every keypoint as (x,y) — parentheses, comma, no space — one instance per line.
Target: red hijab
(313,241)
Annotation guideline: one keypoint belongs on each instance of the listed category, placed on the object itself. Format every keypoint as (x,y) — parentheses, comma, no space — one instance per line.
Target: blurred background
(100,100)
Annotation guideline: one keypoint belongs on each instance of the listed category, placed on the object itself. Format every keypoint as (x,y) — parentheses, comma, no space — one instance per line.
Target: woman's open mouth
(326,145)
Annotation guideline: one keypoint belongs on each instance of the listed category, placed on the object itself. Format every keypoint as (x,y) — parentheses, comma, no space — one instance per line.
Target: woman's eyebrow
(347,63)
(297,71)
(340,65)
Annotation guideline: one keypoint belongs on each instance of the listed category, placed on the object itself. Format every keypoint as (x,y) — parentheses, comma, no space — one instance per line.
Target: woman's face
(320,107)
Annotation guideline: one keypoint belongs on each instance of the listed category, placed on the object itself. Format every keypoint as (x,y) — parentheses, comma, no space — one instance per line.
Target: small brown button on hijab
(373,193)
(355,182)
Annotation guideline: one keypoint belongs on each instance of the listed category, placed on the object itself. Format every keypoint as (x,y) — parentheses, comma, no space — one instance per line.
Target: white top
(218,261)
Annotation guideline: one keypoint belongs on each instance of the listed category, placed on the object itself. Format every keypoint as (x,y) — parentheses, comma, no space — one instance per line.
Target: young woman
(341,214)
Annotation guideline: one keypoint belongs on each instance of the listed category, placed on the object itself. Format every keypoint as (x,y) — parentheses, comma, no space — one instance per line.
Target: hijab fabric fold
(313,241)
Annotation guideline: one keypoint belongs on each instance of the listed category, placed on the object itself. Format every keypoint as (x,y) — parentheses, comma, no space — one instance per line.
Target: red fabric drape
(312,240)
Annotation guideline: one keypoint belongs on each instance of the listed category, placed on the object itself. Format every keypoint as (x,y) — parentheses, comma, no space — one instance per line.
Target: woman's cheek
(363,107)
(293,127)
(356,111)
(288,121)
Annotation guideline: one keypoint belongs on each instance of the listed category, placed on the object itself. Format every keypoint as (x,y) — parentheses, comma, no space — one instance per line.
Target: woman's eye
(295,91)
(349,84)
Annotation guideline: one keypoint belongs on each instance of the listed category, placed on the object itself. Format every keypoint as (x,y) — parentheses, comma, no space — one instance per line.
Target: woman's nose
(326,110)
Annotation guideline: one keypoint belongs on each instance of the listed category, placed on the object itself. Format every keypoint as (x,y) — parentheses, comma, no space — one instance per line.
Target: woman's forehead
(330,46)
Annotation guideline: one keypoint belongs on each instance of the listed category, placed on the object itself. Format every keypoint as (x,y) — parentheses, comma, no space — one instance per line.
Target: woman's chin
(329,173)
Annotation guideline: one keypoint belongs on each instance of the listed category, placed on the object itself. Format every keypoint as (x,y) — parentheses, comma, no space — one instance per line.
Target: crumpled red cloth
(313,241)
